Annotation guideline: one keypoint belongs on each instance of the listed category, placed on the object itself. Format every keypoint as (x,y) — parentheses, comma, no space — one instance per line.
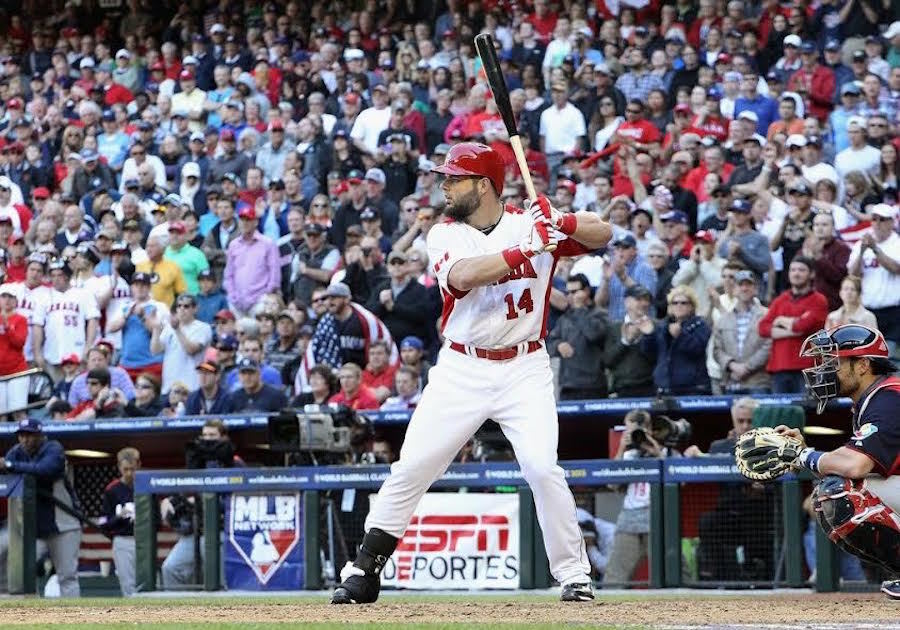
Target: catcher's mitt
(764,455)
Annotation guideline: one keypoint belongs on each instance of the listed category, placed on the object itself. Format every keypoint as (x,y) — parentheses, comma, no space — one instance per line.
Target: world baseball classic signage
(264,535)
(459,541)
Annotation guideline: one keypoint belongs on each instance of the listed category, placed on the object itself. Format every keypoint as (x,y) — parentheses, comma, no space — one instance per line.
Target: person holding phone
(137,320)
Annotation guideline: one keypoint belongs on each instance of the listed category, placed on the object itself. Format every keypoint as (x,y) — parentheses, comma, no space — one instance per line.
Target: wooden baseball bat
(484,44)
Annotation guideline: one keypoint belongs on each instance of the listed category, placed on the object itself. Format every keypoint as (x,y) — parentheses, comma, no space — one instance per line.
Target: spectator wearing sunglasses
(182,339)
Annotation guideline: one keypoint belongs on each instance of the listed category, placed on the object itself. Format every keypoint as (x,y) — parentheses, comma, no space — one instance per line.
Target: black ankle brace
(377,546)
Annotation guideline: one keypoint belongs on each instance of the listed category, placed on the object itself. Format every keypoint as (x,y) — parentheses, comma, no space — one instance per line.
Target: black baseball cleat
(891,588)
(356,587)
(577,592)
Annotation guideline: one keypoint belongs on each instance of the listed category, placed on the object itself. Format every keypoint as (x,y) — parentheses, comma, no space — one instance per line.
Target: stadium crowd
(228,209)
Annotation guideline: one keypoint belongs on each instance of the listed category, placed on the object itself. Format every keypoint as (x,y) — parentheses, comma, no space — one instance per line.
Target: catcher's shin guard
(858,521)
(360,583)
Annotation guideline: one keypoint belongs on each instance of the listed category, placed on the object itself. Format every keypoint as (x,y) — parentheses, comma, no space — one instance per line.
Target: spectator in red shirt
(814,82)
(543,20)
(793,316)
(709,121)
(713,162)
(379,374)
(637,131)
(13,333)
(353,393)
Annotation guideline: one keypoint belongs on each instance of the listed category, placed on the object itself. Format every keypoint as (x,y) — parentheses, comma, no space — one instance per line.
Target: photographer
(643,438)
(736,537)
(117,518)
(57,530)
(212,449)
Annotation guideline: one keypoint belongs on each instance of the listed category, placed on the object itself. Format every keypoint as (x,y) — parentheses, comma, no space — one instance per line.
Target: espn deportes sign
(464,541)
(264,535)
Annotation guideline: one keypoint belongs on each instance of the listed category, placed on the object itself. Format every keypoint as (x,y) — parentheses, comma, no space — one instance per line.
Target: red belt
(497,354)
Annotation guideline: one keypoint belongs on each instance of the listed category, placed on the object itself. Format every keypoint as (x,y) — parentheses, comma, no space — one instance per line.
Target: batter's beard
(463,206)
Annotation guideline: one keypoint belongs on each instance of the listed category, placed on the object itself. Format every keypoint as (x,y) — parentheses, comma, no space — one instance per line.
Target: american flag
(325,345)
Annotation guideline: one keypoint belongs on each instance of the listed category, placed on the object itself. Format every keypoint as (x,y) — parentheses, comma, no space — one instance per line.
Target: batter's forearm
(478,271)
(592,231)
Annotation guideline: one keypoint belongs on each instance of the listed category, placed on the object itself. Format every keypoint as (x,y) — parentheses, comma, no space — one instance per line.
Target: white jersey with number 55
(64,318)
(513,309)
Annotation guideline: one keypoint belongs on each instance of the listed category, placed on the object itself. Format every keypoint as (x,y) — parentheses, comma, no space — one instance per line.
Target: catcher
(858,497)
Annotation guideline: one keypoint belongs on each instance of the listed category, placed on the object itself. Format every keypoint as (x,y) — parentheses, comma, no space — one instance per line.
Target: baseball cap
(884,210)
(276,125)
(706,236)
(748,115)
(355,176)
(30,425)
(624,240)
(131,224)
(758,139)
(793,40)
(800,187)
(832,45)
(682,108)
(814,140)
(412,341)
(638,291)
(859,55)
(40,193)
(314,228)
(88,155)
(568,185)
(71,359)
(795,140)
(85,63)
(228,343)
(206,274)
(247,364)
(178,227)
(276,184)
(850,87)
(376,175)
(6,289)
(740,205)
(807,47)
(285,314)
(142,277)
(227,134)
(208,366)
(369,214)
(745,275)
(396,255)
(107,233)
(191,169)
(352,54)
(108,116)
(675,215)
(224,314)
(185,75)
(338,289)
(123,54)
(442,149)
(247,212)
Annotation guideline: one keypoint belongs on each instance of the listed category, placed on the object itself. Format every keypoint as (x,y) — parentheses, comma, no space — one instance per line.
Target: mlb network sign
(465,541)
(264,535)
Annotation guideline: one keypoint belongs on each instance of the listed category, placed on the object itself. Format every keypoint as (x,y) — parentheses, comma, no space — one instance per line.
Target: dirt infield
(807,610)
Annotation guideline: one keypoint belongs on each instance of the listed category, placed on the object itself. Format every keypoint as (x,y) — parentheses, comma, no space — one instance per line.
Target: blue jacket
(48,466)
(681,360)
(209,305)
(221,403)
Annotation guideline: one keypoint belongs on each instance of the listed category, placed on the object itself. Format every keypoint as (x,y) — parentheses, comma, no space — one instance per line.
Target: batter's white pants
(463,392)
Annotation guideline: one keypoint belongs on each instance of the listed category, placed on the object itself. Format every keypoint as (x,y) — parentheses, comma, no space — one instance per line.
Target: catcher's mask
(826,350)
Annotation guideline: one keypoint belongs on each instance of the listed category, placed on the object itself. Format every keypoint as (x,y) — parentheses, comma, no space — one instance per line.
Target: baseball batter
(858,498)
(67,323)
(494,273)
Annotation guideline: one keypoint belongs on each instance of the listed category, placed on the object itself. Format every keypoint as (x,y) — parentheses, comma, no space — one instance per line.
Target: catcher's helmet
(826,348)
(473,158)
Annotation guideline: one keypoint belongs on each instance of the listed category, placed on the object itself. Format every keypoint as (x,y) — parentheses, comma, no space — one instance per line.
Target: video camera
(320,434)
(664,430)
(209,454)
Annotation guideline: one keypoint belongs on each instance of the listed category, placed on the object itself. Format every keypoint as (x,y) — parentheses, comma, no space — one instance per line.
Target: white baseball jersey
(508,312)
(120,294)
(29,301)
(64,318)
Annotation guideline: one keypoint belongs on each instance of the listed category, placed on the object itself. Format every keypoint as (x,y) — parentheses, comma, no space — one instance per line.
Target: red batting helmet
(473,158)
